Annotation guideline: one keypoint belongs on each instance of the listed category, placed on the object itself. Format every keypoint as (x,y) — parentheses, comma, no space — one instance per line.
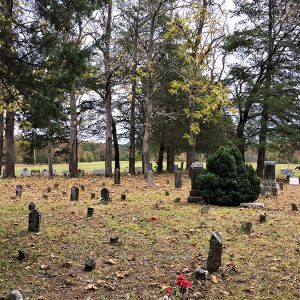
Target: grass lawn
(159,239)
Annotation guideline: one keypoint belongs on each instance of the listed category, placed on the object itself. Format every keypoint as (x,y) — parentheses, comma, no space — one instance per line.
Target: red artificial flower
(185,284)
(169,291)
(180,277)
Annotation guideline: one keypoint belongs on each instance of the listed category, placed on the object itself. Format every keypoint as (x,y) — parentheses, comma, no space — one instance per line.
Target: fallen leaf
(214,279)
(121,274)
(91,287)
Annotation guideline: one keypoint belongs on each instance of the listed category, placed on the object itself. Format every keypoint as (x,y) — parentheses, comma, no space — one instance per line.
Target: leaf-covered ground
(159,239)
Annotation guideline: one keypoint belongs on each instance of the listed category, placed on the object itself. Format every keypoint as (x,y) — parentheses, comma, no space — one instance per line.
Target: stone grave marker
(294,181)
(182,166)
(205,210)
(195,195)
(150,179)
(34,221)
(90,212)
(123,197)
(214,259)
(281,186)
(19,190)
(90,264)
(31,206)
(82,187)
(15,295)
(74,193)
(117,176)
(22,255)
(105,195)
(175,167)
(262,218)
(93,195)
(246,227)
(178,181)
(294,207)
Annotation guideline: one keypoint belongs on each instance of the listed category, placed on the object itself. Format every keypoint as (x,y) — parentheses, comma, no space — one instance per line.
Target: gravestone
(90,264)
(294,181)
(123,197)
(49,189)
(34,221)
(262,218)
(22,255)
(90,212)
(19,190)
(150,179)
(195,194)
(294,207)
(175,167)
(82,187)
(25,172)
(15,295)
(269,184)
(74,193)
(117,176)
(105,195)
(201,274)
(182,166)
(246,227)
(205,210)
(215,252)
(31,206)
(281,186)
(178,182)
(93,195)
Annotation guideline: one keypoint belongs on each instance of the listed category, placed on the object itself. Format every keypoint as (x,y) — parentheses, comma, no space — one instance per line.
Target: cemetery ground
(159,238)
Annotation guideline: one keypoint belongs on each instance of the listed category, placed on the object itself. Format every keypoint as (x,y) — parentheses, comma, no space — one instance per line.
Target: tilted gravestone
(214,259)
(105,195)
(178,181)
(195,195)
(90,212)
(117,176)
(74,193)
(19,190)
(150,178)
(34,221)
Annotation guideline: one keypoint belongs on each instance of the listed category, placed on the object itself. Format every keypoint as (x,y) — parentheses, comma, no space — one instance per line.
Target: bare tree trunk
(160,162)
(132,128)
(191,153)
(116,144)
(10,145)
(1,139)
(240,136)
(73,141)
(170,159)
(108,72)
(50,157)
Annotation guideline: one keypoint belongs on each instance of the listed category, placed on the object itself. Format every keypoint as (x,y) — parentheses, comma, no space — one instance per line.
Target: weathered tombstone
(201,274)
(117,176)
(150,178)
(182,166)
(246,227)
(31,206)
(114,240)
(74,193)
(15,295)
(82,187)
(167,193)
(90,212)
(175,167)
(205,210)
(252,205)
(215,252)
(22,255)
(270,184)
(34,221)
(49,189)
(93,195)
(90,264)
(19,190)
(105,194)
(195,195)
(123,197)
(178,182)
(294,207)
(294,181)
(269,170)
(281,186)
(262,218)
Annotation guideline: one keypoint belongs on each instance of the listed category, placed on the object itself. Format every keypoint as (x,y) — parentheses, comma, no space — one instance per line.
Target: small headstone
(167,193)
(90,212)
(294,181)
(44,196)
(126,191)
(15,295)
(117,176)
(215,252)
(177,200)
(93,195)
(34,221)
(74,193)
(90,264)
(123,197)
(56,185)
(19,190)
(82,188)
(294,207)
(262,218)
(252,205)
(105,195)
(178,182)
(31,206)
(150,178)
(182,166)
(151,167)
(49,189)
(103,184)
(205,210)
(281,186)
(201,274)
(114,240)
(246,227)
(22,255)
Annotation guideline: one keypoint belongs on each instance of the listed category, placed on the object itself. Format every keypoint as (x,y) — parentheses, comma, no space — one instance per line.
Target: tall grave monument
(269,184)
(195,195)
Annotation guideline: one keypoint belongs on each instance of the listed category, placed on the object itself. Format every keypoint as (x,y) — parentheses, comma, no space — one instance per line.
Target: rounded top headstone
(31,206)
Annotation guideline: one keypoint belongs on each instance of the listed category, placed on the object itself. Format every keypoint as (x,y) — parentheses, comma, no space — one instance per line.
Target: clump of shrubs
(227,180)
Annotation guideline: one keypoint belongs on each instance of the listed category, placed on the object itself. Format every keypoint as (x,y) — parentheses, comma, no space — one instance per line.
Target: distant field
(100,165)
